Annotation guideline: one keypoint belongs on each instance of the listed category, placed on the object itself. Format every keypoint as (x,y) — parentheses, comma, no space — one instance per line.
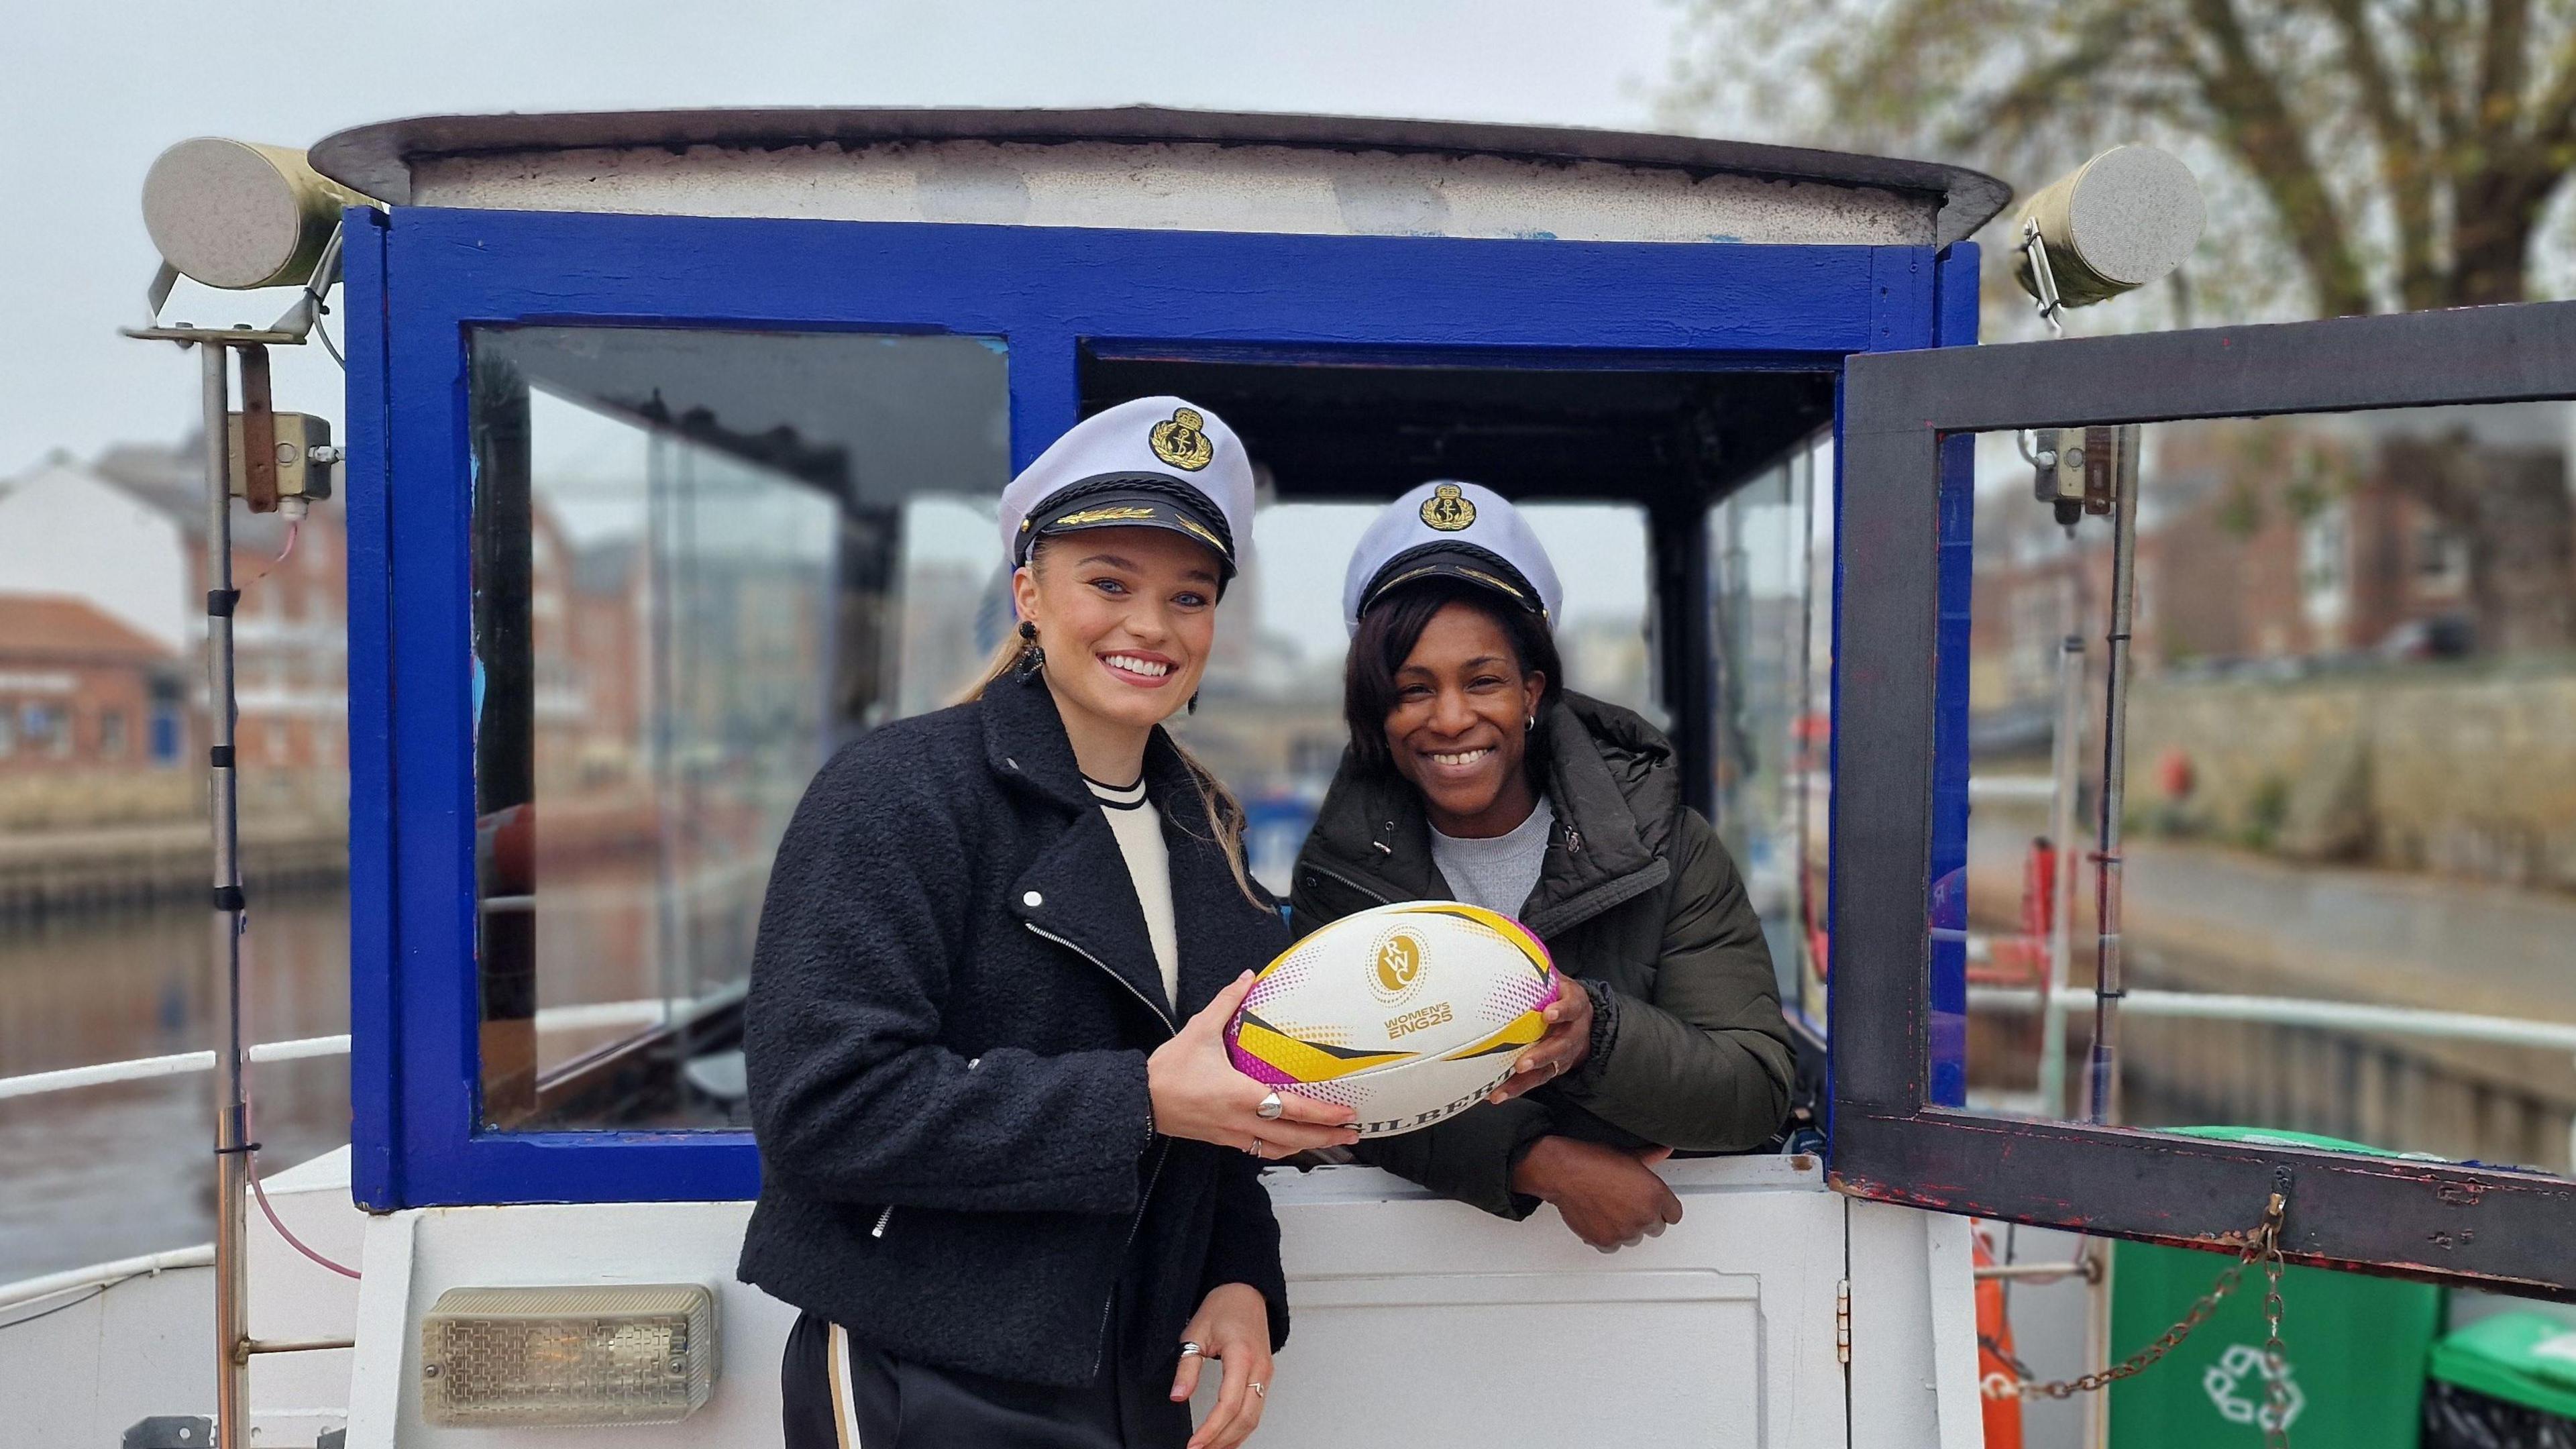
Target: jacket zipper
(1153,1175)
(1372,892)
(887,1215)
(1159,1014)
(1162,1144)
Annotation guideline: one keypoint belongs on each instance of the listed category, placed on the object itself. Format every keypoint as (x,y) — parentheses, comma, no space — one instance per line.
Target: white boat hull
(1419,1321)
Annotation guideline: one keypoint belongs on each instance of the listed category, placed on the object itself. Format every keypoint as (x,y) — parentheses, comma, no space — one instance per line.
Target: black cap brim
(1134,502)
(1453,561)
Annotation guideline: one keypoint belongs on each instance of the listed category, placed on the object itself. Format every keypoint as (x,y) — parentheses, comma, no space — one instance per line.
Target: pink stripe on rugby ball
(1408,1013)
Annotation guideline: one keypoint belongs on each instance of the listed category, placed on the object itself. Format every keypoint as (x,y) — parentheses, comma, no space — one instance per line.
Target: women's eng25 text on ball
(1407,1014)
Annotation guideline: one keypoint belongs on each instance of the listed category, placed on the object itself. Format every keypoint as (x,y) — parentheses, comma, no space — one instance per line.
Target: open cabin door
(1905,415)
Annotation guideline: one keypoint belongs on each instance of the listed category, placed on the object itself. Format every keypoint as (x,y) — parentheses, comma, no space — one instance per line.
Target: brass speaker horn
(237,215)
(2114,224)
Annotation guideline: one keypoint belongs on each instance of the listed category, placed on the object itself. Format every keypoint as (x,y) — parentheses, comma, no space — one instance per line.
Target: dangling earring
(1194,702)
(1530,724)
(1032,658)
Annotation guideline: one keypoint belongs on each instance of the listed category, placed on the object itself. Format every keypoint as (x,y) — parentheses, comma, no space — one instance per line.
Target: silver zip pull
(883,1218)
(1160,1014)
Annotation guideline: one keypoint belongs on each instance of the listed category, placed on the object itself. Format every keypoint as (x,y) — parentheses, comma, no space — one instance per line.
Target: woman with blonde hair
(1007,1171)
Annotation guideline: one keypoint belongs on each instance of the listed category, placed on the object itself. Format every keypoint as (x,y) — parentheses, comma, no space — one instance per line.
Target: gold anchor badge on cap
(1178,441)
(1447,509)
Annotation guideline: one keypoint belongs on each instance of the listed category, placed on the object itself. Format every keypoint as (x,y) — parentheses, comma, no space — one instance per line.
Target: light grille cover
(642,1353)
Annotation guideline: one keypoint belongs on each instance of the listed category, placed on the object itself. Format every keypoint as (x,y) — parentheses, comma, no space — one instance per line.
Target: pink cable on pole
(248,1116)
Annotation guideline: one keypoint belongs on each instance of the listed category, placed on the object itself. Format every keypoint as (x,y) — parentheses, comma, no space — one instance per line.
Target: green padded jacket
(1638,899)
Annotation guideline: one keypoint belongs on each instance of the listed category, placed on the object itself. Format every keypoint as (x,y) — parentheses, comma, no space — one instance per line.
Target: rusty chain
(2262,1245)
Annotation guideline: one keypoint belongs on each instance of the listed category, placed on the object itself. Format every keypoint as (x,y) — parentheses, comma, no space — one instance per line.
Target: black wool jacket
(951,1004)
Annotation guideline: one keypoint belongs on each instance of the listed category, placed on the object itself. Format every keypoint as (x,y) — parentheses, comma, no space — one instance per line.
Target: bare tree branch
(2411,143)
(2252,118)
(2403,165)
(2434,24)
(2502,67)
(2553,118)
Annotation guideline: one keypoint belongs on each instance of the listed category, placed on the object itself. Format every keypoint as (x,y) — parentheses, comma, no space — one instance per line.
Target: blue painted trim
(1906,314)
(1946,1070)
(1498,359)
(1046,392)
(1183,287)
(1047,294)
(374,1160)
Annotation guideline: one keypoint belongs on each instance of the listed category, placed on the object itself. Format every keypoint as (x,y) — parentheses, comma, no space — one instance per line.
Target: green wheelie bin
(2507,1382)
(2354,1347)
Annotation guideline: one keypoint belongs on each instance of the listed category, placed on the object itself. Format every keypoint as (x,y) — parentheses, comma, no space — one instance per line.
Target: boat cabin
(674,442)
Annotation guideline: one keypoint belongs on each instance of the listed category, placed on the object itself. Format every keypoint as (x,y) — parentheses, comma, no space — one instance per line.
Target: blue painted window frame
(418,279)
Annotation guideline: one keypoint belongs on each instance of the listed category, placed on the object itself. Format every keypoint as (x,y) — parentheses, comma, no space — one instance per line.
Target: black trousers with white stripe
(844,1394)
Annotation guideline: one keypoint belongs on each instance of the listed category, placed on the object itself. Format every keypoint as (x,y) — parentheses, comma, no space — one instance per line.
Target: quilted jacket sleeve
(1704,1065)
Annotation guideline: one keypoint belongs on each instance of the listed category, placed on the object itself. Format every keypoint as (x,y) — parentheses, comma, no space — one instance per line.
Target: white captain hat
(1156,462)
(1448,529)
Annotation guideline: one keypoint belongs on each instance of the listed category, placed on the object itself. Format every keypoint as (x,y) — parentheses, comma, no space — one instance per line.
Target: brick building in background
(2268,544)
(105,564)
(83,690)
(290,633)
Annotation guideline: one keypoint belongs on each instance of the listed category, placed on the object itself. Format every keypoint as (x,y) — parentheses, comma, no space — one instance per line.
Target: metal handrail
(105,1275)
(178,1064)
(2298,1011)
(590,1015)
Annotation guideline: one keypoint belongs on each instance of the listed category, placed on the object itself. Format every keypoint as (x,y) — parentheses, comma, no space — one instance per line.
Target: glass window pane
(695,562)
(1769,545)
(2349,812)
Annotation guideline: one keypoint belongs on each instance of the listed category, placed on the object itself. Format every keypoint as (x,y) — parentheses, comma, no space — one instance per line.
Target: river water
(109,1172)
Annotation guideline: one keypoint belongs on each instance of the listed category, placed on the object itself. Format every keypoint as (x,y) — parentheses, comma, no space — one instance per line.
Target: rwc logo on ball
(1395,973)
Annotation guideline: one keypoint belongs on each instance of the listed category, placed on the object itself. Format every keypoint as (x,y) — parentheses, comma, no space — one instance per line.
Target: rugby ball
(1408,1013)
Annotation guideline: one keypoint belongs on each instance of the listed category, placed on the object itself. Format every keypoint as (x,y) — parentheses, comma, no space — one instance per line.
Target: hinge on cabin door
(1842,1321)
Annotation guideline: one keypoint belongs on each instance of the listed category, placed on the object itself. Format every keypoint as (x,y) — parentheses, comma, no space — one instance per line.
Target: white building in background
(66,531)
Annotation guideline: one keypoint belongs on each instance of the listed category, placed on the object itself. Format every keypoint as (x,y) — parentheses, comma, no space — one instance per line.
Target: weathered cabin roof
(1155,167)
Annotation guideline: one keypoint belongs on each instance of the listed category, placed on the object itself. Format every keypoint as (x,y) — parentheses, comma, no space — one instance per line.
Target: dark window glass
(701,560)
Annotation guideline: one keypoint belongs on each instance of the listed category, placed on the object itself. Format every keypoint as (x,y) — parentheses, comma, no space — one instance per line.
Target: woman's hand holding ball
(1199,1095)
(1566,1045)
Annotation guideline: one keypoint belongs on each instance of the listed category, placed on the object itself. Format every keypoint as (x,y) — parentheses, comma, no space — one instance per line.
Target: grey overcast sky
(90,93)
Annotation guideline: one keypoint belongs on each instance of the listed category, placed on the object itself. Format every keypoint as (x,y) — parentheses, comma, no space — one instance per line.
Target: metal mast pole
(232,1145)
(2108,986)
(2063,753)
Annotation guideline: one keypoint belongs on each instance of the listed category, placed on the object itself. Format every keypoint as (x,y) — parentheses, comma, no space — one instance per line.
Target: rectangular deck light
(599,1354)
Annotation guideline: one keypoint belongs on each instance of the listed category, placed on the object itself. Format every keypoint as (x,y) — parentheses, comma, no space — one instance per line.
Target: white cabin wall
(1913,1330)
(414,1256)
(1418,1320)
(1186,187)
(1423,1321)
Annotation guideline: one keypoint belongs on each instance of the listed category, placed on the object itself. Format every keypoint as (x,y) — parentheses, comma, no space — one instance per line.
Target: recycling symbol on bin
(2237,1385)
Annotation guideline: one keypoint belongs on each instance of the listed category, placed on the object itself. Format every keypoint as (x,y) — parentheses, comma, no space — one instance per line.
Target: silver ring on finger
(1270,1108)
(1192,1350)
(1258,1391)
(1258,1147)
